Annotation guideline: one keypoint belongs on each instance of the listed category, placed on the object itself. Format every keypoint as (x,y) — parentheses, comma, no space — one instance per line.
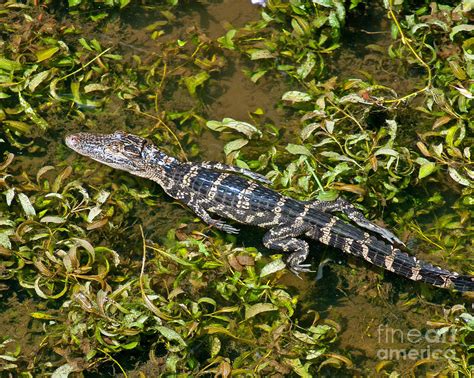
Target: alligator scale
(240,195)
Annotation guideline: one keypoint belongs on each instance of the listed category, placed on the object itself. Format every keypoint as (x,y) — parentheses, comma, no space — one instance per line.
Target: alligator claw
(225,227)
(300,268)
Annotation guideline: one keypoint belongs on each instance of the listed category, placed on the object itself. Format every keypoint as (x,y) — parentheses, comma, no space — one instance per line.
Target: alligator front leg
(197,205)
(284,238)
(231,168)
(341,205)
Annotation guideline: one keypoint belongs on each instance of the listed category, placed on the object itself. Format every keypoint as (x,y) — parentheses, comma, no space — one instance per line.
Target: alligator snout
(71,140)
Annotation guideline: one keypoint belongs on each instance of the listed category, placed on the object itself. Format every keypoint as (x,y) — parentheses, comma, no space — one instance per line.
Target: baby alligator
(238,194)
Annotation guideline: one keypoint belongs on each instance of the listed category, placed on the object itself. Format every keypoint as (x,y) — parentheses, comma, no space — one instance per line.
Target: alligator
(243,196)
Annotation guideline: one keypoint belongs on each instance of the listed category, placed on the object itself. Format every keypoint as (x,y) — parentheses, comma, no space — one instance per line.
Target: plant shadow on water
(373,313)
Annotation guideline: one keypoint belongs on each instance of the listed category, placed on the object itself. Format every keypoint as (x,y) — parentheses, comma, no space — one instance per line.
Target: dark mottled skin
(238,194)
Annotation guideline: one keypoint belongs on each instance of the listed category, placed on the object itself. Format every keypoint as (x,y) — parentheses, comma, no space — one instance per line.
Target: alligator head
(123,151)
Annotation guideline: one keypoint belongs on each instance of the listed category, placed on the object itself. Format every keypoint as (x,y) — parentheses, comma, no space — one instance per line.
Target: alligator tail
(352,240)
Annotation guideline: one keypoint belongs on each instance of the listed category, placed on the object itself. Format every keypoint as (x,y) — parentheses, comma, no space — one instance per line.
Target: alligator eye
(119,133)
(131,151)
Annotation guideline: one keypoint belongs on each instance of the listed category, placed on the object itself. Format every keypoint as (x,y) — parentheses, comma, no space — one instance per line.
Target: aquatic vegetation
(113,286)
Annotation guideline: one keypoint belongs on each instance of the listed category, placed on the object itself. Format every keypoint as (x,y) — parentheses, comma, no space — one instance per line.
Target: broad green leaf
(9,65)
(171,335)
(215,346)
(386,151)
(52,219)
(31,113)
(258,308)
(304,337)
(298,367)
(256,54)
(305,69)
(46,54)
(42,315)
(227,40)
(5,240)
(456,176)
(64,371)
(298,149)
(426,169)
(93,213)
(130,345)
(235,145)
(37,80)
(257,75)
(193,82)
(99,16)
(458,28)
(26,205)
(84,44)
(124,3)
(95,87)
(10,194)
(324,3)
(295,96)
(272,267)
(229,123)
(308,130)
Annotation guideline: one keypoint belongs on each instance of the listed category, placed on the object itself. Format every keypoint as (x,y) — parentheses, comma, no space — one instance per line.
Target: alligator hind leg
(345,207)
(284,238)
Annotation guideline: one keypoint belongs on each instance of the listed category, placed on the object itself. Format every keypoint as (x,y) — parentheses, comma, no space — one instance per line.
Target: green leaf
(426,169)
(5,240)
(229,123)
(95,87)
(458,28)
(456,176)
(99,16)
(235,145)
(42,316)
(130,345)
(295,96)
(298,367)
(386,151)
(258,308)
(26,205)
(305,69)
(297,149)
(64,371)
(324,3)
(46,54)
(272,267)
(9,195)
(124,3)
(257,75)
(9,65)
(171,335)
(52,219)
(193,82)
(227,40)
(37,80)
(31,113)
(256,54)
(84,44)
